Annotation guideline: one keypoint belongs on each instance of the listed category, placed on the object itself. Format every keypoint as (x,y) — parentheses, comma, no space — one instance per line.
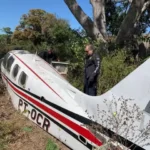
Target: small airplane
(80,121)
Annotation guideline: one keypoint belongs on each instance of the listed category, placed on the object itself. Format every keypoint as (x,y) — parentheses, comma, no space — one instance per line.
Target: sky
(12,10)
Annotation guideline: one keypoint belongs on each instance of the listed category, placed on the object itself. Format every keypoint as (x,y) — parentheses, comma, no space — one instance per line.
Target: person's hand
(91,79)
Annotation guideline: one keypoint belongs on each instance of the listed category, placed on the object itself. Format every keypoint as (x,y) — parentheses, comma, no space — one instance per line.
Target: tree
(107,17)
(39,30)
(85,21)
(115,13)
(3,42)
(5,39)
(39,26)
(30,27)
(7,30)
(131,20)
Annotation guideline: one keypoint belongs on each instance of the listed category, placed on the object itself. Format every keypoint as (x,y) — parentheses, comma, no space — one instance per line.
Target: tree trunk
(99,15)
(132,17)
(84,20)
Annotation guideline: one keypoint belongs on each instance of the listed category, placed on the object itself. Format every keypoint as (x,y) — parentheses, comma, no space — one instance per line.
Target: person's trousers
(90,88)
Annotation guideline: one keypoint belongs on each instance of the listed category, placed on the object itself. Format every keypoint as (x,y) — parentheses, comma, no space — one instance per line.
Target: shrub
(113,69)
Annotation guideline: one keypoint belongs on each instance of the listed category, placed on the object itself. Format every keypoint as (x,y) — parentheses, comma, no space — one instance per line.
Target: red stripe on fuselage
(38,76)
(82,131)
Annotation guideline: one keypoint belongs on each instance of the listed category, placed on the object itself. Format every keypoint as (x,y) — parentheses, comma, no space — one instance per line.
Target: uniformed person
(91,70)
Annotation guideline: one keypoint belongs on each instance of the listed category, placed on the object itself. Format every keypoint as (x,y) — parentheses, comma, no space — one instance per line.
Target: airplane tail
(135,86)
(132,92)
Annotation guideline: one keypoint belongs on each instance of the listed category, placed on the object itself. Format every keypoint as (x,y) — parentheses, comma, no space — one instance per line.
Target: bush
(76,68)
(114,68)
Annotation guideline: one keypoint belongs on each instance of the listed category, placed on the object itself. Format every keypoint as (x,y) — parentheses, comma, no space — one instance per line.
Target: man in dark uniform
(91,71)
(48,56)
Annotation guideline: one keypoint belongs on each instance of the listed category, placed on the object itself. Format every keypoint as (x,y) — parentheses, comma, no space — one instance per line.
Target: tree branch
(132,17)
(84,20)
(146,5)
(99,15)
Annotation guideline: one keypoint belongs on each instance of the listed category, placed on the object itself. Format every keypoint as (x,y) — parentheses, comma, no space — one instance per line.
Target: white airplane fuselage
(35,91)
(47,99)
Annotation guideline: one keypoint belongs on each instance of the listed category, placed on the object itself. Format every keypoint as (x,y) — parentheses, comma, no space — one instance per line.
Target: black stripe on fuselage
(63,110)
(84,120)
(88,145)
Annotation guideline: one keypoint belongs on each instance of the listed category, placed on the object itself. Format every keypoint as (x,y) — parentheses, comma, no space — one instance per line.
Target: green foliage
(5,41)
(27,129)
(39,30)
(113,69)
(39,26)
(7,30)
(51,146)
(77,62)
(115,14)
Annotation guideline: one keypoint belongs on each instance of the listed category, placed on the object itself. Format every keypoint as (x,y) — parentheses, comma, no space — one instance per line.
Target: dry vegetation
(19,133)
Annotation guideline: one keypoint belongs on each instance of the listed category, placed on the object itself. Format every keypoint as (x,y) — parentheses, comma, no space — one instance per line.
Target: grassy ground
(19,133)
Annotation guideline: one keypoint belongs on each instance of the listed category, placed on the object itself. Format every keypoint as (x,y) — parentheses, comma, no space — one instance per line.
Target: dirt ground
(19,133)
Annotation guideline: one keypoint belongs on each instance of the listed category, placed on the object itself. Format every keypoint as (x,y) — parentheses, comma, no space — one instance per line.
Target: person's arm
(85,64)
(97,68)
(97,64)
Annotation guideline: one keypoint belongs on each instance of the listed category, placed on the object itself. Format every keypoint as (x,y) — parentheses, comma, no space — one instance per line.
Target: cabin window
(9,63)
(5,60)
(15,70)
(23,79)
